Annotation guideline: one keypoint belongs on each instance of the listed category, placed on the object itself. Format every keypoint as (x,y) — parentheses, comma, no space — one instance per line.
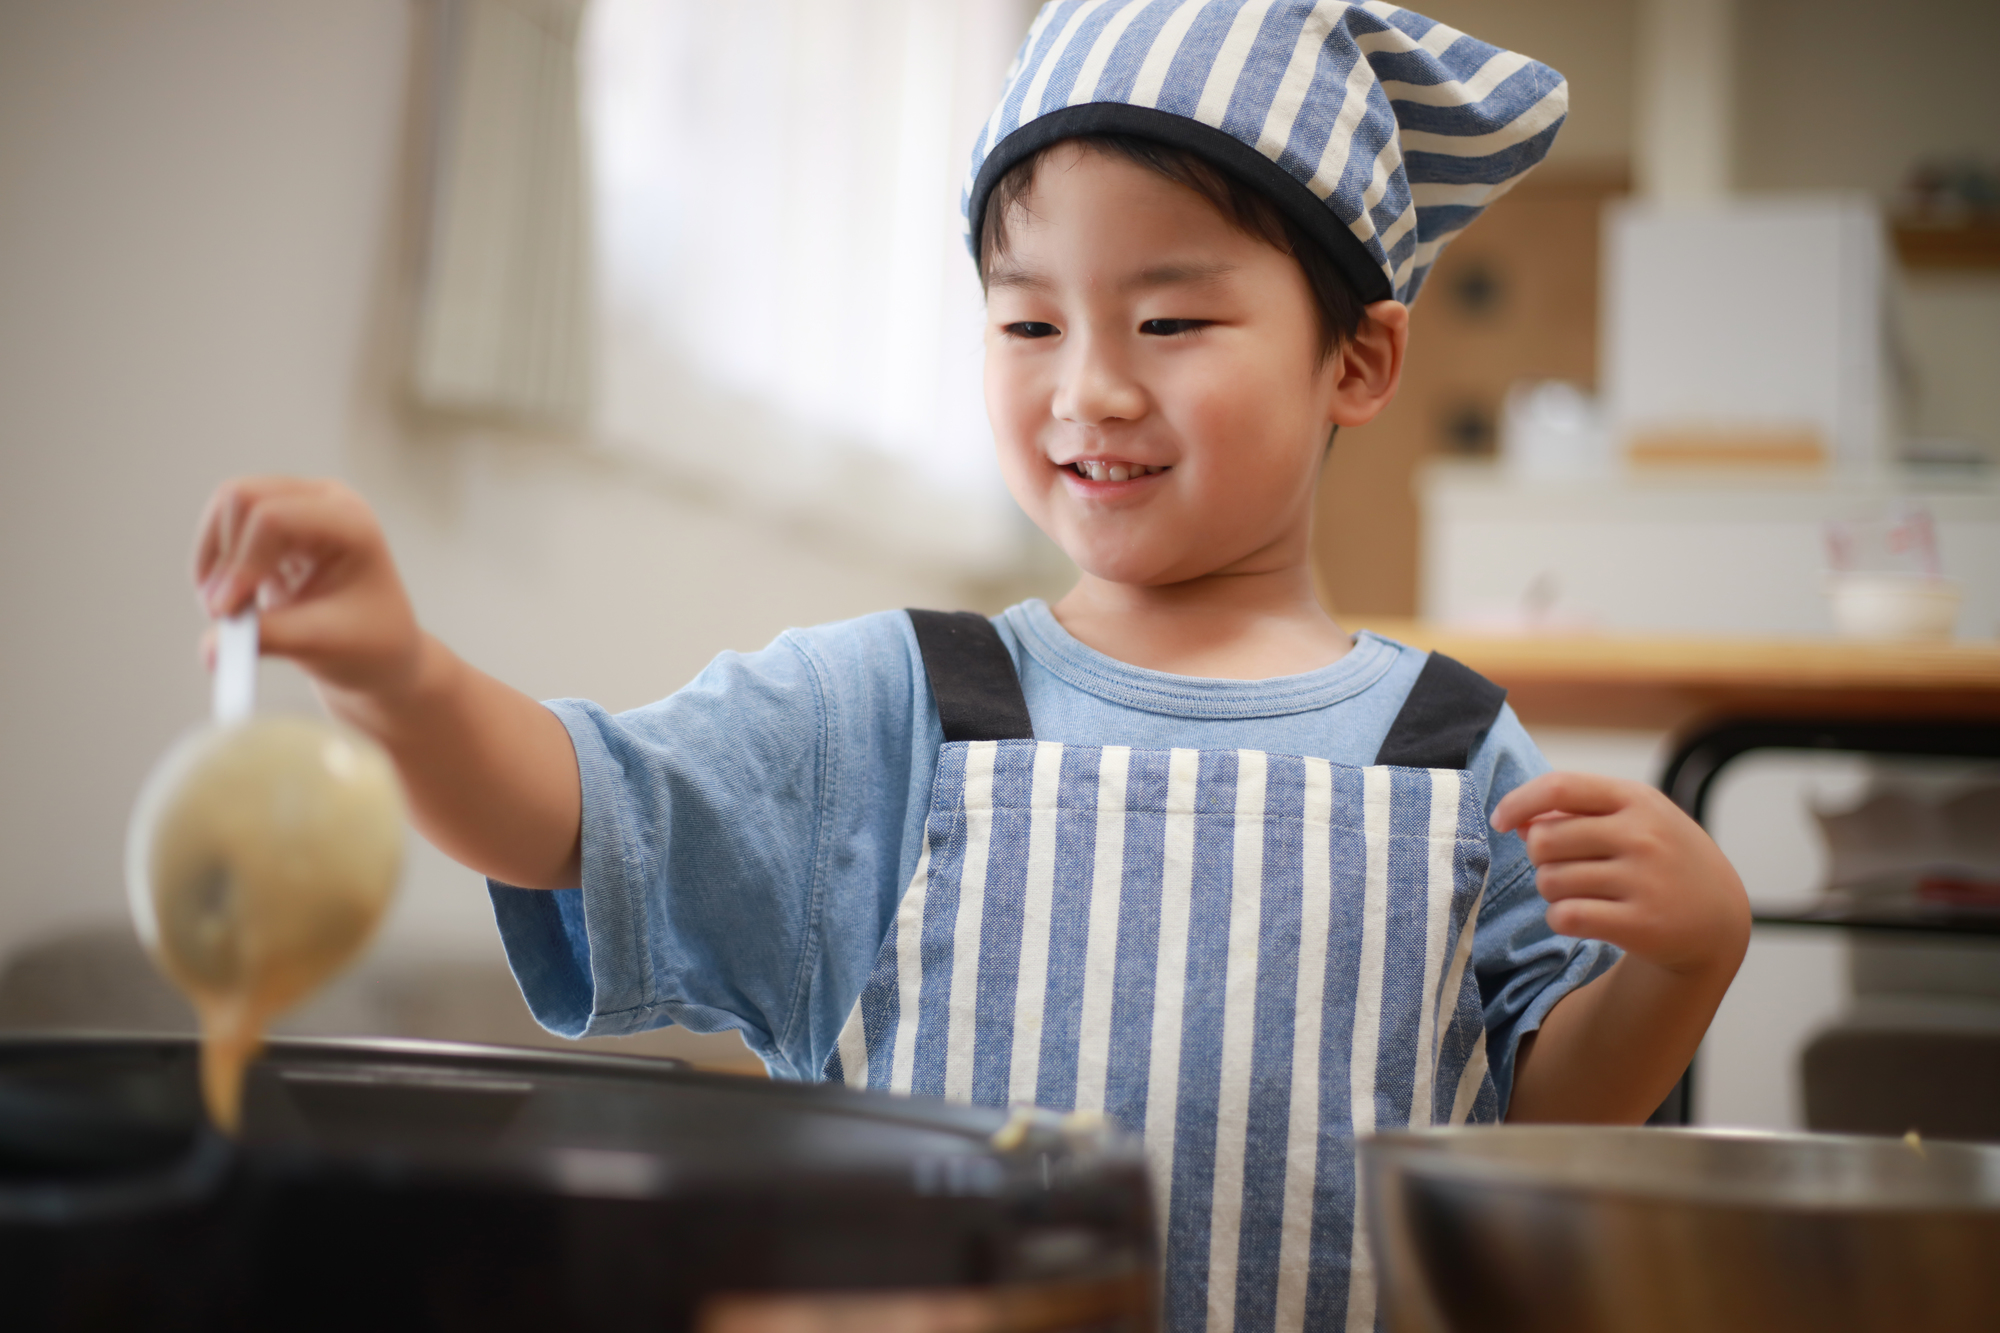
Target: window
(786,309)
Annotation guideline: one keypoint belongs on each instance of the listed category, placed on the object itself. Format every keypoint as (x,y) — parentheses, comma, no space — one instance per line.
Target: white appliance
(1747,320)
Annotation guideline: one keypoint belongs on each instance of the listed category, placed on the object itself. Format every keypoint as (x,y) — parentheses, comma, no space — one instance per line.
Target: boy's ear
(1368,367)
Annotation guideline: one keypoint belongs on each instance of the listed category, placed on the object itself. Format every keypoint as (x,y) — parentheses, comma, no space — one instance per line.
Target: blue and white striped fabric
(1249,959)
(1388,132)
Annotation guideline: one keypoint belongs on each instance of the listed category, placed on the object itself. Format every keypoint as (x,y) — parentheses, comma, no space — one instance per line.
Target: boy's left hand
(1618,861)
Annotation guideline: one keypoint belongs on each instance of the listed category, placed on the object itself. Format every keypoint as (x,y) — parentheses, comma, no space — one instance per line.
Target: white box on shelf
(1746,319)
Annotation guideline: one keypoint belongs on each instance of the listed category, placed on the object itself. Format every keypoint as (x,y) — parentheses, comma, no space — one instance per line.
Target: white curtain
(786,306)
(504,326)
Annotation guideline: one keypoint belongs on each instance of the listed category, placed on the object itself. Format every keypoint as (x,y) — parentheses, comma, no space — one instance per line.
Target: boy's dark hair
(1246,207)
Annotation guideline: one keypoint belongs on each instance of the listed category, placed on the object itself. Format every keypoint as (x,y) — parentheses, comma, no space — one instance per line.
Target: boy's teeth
(1114,471)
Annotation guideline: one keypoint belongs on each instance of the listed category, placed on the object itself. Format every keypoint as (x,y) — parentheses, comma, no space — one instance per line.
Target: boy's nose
(1097,386)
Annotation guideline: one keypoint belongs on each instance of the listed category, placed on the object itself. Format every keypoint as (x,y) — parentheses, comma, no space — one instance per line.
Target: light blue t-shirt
(746,839)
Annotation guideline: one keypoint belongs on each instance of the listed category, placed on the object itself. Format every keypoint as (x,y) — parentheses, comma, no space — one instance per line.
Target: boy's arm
(1619,862)
(1611,1051)
(491,775)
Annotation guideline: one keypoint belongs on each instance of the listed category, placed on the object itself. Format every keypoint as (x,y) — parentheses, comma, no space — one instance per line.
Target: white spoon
(233,692)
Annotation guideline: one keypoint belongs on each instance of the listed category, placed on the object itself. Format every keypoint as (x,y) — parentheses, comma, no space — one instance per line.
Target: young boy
(1179,848)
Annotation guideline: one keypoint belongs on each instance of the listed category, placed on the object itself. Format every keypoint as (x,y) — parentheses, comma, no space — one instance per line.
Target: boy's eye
(1167,328)
(1029,328)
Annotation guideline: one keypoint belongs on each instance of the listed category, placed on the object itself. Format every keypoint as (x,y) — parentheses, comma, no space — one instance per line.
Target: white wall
(200,243)
(190,203)
(1849,95)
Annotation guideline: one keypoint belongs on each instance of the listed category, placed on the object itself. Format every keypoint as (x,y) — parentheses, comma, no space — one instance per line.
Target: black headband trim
(1217,147)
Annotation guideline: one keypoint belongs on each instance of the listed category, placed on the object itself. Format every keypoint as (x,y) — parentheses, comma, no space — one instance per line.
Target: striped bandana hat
(1380,132)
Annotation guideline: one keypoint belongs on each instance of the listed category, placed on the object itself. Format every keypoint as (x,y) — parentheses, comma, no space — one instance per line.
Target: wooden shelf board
(1965,246)
(1668,682)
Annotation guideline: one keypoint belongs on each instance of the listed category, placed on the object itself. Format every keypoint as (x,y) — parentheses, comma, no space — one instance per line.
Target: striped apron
(1248,959)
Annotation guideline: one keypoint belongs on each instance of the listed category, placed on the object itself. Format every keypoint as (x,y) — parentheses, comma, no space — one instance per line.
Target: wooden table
(1674,683)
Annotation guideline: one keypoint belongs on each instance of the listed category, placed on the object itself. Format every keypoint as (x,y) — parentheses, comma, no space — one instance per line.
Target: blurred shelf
(1669,683)
(1907,919)
(1975,245)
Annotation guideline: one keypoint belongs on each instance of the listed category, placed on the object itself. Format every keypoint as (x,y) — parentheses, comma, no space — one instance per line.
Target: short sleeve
(700,820)
(1523,968)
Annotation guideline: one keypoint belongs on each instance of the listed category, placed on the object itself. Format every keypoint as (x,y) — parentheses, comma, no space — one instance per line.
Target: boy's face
(1153,377)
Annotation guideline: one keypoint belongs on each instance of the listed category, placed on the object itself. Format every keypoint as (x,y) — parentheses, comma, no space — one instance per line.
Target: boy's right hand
(312,559)
(491,774)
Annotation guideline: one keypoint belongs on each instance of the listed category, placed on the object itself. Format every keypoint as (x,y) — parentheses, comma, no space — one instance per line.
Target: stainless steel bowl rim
(1427,1152)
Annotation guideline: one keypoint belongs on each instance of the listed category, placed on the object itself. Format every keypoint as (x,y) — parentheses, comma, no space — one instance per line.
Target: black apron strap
(973,680)
(1449,709)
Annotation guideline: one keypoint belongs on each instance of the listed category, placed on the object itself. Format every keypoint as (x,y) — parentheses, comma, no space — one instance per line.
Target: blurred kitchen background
(647,328)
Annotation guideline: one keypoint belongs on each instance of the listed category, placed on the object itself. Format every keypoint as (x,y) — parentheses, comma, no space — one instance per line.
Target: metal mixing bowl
(1562,1229)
